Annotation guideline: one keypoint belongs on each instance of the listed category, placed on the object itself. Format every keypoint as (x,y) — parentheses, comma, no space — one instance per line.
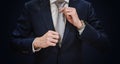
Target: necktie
(60,26)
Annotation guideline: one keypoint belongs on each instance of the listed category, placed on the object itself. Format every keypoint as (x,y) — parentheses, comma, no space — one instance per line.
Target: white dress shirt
(54,11)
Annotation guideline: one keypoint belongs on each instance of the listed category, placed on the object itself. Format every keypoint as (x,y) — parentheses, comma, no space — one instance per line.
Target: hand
(71,15)
(48,39)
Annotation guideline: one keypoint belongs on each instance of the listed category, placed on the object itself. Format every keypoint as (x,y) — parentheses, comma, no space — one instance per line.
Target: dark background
(107,11)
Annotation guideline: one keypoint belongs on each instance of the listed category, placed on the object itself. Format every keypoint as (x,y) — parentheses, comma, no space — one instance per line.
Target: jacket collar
(52,1)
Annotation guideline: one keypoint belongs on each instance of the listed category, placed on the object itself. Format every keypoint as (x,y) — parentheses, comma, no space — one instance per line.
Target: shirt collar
(52,1)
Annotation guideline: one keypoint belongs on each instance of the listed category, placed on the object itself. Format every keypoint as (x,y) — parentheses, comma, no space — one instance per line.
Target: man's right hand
(50,38)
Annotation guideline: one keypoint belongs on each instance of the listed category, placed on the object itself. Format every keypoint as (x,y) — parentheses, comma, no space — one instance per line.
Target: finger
(69,14)
(69,18)
(55,37)
(53,32)
(66,11)
(72,14)
(62,9)
(51,44)
(53,40)
(70,9)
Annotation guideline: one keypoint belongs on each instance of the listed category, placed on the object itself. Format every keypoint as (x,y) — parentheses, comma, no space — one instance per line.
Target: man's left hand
(72,16)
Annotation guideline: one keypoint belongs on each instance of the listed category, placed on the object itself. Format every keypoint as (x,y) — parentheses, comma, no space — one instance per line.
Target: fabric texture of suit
(36,20)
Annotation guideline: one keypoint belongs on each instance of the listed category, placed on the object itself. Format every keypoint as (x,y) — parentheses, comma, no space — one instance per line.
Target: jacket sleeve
(22,36)
(94,33)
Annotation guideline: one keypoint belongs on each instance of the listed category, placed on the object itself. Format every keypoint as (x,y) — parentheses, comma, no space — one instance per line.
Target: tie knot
(60,3)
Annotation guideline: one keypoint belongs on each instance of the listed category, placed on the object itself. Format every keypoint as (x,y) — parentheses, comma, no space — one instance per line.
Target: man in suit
(37,31)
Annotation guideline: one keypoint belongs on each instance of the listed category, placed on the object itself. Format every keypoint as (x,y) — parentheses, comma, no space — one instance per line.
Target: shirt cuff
(82,28)
(35,50)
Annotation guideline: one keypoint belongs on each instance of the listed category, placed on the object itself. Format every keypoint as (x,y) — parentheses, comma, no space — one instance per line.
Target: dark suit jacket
(36,20)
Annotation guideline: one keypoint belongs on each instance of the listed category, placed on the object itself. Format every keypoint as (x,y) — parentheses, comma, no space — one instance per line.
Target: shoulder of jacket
(85,2)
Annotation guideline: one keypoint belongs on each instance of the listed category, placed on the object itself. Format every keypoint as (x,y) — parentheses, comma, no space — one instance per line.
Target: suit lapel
(72,3)
(47,16)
